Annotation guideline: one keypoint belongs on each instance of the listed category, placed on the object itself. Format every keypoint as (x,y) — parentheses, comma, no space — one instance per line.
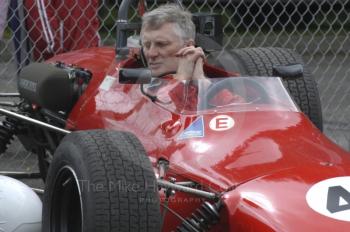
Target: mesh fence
(319,30)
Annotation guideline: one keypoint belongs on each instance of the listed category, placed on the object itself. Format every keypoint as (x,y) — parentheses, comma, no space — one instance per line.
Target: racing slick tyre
(101,181)
(259,62)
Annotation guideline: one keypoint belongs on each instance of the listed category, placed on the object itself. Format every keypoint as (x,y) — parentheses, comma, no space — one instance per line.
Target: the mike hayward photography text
(118,185)
(124,187)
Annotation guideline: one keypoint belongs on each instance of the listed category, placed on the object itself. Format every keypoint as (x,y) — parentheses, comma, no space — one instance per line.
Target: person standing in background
(16,17)
(3,16)
(57,26)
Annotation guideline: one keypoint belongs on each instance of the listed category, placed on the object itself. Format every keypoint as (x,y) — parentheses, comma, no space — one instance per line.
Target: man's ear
(190,42)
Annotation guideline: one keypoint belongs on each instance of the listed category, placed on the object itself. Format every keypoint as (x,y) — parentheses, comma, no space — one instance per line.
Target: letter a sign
(338,199)
(331,198)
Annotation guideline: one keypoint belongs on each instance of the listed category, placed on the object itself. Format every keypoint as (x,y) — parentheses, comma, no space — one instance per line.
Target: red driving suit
(56,26)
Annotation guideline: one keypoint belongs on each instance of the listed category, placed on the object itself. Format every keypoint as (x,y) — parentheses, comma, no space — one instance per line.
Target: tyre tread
(115,158)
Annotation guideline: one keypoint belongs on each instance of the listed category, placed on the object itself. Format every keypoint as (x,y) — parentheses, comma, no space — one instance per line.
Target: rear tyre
(101,181)
(259,62)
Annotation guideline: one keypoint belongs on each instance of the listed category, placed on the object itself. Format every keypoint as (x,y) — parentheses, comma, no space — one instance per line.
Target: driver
(168,39)
(167,36)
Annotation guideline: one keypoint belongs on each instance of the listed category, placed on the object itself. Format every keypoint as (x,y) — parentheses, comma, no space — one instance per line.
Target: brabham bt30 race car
(121,150)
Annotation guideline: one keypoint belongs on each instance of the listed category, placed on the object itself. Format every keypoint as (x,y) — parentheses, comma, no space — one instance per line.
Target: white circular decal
(331,198)
(221,123)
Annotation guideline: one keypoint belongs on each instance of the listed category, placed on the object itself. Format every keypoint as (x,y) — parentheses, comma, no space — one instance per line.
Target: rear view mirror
(135,76)
(288,71)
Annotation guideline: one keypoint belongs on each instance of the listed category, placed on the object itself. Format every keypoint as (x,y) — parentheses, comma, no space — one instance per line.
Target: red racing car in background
(119,151)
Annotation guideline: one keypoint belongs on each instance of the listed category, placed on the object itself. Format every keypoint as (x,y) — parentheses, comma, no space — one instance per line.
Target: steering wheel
(246,87)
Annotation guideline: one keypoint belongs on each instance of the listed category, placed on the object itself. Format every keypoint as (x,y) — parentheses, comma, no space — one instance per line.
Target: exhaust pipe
(9,94)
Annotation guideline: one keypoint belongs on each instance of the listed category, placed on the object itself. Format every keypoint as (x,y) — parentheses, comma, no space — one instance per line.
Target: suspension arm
(34,121)
(182,188)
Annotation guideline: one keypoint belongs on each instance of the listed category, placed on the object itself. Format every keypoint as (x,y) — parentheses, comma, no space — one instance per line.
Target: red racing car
(122,151)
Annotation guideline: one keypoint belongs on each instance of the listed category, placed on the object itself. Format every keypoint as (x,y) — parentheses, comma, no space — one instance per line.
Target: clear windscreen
(229,94)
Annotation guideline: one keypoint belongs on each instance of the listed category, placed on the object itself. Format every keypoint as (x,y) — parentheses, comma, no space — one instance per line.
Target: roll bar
(123,25)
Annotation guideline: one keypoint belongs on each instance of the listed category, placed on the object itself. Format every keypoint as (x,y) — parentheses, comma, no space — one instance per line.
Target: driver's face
(160,47)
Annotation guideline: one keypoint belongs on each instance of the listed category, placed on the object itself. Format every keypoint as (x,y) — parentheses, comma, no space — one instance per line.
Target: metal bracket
(21,175)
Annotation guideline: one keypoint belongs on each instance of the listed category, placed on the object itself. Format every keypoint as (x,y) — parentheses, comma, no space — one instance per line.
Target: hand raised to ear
(191,53)
(188,58)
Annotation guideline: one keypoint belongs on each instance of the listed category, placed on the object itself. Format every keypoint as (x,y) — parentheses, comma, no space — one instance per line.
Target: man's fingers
(184,51)
(198,72)
(192,50)
(191,53)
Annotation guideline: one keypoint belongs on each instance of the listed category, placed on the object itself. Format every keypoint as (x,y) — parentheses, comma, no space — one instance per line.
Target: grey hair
(170,13)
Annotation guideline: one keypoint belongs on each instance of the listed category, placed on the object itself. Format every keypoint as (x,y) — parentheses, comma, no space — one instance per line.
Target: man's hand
(198,72)
(190,63)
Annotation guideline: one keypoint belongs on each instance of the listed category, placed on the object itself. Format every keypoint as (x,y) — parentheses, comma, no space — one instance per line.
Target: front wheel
(101,181)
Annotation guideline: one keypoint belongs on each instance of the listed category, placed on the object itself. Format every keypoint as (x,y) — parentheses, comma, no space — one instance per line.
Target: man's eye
(162,44)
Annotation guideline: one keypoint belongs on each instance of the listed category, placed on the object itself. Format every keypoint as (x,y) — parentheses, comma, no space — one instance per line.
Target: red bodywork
(263,166)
